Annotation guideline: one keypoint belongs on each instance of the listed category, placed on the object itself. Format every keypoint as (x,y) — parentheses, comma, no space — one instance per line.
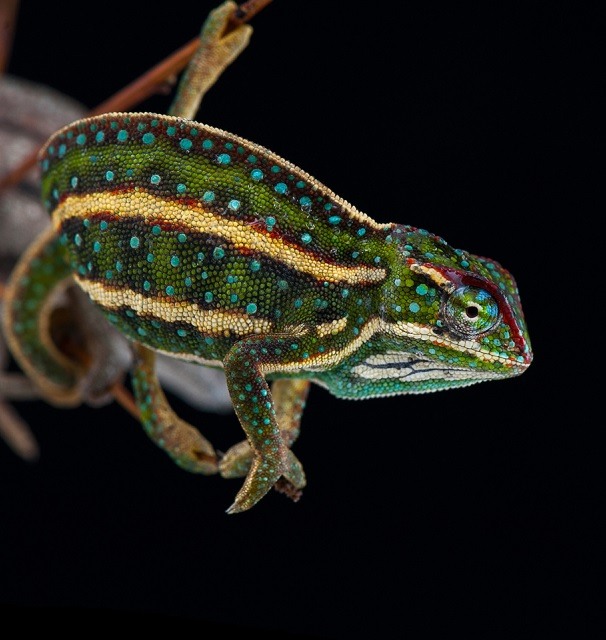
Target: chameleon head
(460,314)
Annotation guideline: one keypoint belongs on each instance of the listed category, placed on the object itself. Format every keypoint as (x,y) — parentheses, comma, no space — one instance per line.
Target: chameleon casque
(197,243)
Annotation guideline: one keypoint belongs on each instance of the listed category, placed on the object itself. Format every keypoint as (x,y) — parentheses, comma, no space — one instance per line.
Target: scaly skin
(199,244)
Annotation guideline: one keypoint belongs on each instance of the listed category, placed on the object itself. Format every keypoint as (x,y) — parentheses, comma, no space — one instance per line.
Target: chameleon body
(197,243)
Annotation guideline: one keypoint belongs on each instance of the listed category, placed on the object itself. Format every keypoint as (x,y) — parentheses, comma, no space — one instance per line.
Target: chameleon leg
(289,401)
(245,366)
(183,443)
(39,276)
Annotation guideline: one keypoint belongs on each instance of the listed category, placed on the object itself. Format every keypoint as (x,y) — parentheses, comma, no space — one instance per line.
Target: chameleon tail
(39,277)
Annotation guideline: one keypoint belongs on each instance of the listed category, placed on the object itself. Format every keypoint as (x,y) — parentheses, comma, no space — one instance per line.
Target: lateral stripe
(141,204)
(209,322)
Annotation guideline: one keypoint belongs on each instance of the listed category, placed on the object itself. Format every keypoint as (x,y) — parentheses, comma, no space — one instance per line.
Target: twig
(8,18)
(146,85)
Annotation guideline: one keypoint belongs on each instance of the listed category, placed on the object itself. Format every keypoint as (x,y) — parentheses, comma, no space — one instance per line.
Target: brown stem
(8,18)
(125,399)
(146,85)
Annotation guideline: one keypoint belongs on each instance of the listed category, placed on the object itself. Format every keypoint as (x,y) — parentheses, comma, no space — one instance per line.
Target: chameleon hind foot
(183,443)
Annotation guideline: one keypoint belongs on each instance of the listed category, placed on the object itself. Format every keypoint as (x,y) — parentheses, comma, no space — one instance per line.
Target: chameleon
(199,244)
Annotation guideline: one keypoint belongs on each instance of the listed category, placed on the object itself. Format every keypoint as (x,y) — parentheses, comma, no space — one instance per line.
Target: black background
(473,509)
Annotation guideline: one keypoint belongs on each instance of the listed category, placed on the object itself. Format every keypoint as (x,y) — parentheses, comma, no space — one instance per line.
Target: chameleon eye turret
(210,248)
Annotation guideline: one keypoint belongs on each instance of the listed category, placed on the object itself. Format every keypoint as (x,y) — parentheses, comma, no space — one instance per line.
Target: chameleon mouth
(471,347)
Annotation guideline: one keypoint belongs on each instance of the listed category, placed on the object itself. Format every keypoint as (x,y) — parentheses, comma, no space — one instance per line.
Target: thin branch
(146,85)
(8,19)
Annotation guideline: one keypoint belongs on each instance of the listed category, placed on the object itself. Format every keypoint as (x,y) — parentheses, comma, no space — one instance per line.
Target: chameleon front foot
(237,461)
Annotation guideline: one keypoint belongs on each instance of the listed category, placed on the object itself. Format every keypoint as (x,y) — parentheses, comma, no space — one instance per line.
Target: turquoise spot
(134,242)
(62,150)
(275,168)
(283,285)
(181,188)
(298,303)
(345,292)
(305,201)
(97,247)
(208,296)
(82,270)
(98,138)
(188,281)
(231,279)
(208,196)
(122,135)
(146,285)
(185,144)
(170,290)
(181,237)
(207,144)
(103,225)
(234,205)
(252,159)
(464,264)
(193,131)
(281,188)
(355,254)
(200,256)
(171,131)
(141,331)
(209,340)
(334,219)
(229,145)
(361,231)
(251,308)
(306,238)
(148,138)
(397,282)
(78,239)
(130,173)
(156,230)
(233,298)
(223,158)
(155,179)
(181,332)
(256,174)
(270,221)
(109,176)
(218,253)
(300,184)
(109,274)
(118,265)
(422,289)
(414,307)
(174,261)
(255,265)
(328,206)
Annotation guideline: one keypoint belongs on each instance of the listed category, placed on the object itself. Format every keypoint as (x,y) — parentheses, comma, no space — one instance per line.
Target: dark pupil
(472,312)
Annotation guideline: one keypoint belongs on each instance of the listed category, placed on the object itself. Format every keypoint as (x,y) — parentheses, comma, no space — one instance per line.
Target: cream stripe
(331,328)
(209,322)
(241,234)
(420,332)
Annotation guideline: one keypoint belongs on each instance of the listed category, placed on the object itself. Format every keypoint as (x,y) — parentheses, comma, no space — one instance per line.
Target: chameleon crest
(200,244)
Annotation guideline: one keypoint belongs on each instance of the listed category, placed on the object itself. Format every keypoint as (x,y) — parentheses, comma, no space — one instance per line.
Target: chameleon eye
(470,311)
